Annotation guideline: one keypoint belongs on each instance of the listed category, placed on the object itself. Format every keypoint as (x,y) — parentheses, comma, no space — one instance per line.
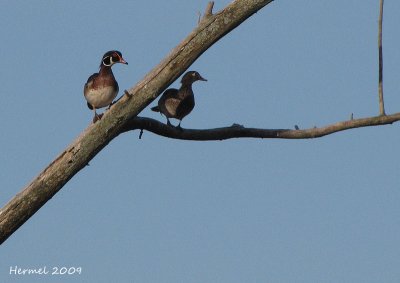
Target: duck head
(190,77)
(112,57)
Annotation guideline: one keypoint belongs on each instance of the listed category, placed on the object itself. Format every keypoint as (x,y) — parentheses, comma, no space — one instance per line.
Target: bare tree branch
(380,83)
(239,131)
(122,116)
(78,154)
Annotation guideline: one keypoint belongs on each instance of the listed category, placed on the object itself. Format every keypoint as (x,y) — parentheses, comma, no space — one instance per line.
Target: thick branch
(78,154)
(238,131)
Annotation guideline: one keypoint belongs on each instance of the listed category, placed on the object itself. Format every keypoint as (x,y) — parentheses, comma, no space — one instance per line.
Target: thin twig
(209,8)
(208,12)
(380,85)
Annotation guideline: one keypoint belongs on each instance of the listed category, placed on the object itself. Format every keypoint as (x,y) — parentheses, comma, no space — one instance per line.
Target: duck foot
(97,117)
(179,127)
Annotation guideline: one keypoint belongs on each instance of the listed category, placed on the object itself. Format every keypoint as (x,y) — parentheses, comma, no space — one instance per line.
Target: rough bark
(78,154)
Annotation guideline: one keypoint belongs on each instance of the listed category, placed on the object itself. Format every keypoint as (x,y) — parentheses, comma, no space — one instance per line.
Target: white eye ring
(111,61)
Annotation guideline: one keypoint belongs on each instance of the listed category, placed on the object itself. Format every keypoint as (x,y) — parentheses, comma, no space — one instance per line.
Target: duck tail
(155,109)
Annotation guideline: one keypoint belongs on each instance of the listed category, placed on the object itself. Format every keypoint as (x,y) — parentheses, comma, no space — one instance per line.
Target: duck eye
(107,61)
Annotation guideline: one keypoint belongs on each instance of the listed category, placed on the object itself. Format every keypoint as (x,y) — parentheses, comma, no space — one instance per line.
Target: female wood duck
(101,88)
(176,103)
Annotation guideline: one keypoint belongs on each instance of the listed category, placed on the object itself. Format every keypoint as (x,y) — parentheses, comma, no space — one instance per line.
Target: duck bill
(202,79)
(122,61)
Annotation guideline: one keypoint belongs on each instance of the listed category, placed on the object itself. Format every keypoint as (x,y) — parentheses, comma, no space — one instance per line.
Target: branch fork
(207,13)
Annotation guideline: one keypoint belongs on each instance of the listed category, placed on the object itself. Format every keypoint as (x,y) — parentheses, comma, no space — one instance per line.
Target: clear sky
(242,210)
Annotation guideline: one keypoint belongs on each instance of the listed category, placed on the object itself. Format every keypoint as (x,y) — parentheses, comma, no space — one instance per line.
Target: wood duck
(101,88)
(177,103)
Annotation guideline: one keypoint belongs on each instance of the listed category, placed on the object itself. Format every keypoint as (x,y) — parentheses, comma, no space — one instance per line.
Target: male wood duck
(101,88)
(177,103)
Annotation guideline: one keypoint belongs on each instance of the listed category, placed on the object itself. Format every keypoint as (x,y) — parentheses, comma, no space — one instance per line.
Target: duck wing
(87,84)
(168,102)
(185,107)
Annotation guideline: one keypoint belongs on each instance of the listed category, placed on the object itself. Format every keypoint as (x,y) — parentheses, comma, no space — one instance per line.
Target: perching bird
(101,88)
(176,103)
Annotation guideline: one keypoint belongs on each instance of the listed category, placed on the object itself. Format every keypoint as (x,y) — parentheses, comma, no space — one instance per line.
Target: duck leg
(96,116)
(169,123)
(179,126)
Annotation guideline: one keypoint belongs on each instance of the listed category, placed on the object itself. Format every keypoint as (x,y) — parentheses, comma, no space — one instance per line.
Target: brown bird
(101,88)
(177,103)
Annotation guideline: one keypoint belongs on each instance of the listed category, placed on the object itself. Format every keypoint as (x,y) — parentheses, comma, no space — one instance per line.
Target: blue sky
(242,210)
